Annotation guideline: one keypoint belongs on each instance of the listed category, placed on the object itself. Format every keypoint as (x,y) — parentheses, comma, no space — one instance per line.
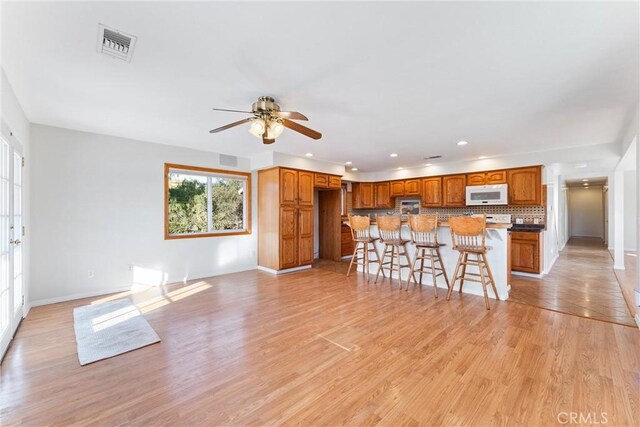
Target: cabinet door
(524,255)
(305,188)
(366,193)
(453,190)
(335,182)
(495,177)
(305,233)
(382,197)
(432,192)
(397,188)
(320,180)
(476,178)
(525,186)
(288,187)
(288,237)
(356,195)
(412,187)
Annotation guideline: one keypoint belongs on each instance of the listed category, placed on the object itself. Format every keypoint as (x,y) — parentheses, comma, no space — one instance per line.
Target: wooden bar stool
(364,244)
(390,229)
(468,235)
(424,235)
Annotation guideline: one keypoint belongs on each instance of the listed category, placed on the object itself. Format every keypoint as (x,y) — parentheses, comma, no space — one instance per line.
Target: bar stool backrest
(468,232)
(424,229)
(389,227)
(360,227)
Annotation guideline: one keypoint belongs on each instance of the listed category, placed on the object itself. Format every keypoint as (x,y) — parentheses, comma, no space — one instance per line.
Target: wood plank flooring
(582,282)
(317,348)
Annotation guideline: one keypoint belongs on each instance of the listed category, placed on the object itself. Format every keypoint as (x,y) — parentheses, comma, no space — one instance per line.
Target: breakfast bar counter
(497,242)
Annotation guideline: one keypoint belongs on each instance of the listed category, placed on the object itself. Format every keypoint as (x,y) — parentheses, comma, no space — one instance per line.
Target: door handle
(15,242)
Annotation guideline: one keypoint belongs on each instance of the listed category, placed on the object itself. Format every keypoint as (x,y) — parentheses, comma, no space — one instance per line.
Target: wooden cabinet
(346,241)
(285,218)
(321,180)
(525,186)
(335,182)
(431,192)
(362,195)
(526,251)
(305,188)
(496,177)
(487,178)
(288,186)
(412,187)
(453,190)
(383,195)
(397,188)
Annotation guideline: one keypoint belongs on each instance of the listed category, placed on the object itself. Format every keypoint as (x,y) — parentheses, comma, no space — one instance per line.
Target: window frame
(223,173)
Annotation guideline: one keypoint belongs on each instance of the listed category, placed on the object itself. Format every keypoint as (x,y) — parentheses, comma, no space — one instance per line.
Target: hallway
(582,282)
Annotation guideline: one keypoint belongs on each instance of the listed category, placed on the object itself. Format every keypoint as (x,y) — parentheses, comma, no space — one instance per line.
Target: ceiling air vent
(115,43)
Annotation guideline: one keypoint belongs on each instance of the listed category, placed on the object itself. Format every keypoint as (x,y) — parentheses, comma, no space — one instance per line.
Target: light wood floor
(316,348)
(582,282)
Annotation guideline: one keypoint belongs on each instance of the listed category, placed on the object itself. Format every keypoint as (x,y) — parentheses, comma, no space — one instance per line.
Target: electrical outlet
(91,274)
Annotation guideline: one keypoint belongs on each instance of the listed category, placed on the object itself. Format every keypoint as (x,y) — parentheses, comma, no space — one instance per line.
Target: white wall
(97,204)
(585,212)
(15,119)
(551,234)
(630,210)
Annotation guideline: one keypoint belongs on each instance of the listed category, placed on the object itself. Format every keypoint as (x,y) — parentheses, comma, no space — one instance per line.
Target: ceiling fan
(268,121)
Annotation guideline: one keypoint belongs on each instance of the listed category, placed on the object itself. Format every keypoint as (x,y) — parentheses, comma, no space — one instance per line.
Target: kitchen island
(497,256)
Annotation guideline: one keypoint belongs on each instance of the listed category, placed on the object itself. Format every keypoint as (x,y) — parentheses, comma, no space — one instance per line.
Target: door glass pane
(17,232)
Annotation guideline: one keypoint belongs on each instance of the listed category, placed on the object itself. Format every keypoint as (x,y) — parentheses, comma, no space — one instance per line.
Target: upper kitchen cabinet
(454,190)
(305,188)
(382,195)
(335,182)
(397,188)
(362,195)
(487,178)
(412,187)
(288,186)
(525,186)
(432,192)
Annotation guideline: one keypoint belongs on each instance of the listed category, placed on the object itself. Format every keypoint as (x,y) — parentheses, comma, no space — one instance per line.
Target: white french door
(11,231)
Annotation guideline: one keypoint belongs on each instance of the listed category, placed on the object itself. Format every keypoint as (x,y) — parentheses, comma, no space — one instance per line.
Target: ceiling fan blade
(293,115)
(232,111)
(230,125)
(301,129)
(267,140)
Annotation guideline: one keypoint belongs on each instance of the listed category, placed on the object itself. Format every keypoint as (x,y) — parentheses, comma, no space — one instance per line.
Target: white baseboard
(532,275)
(288,270)
(80,295)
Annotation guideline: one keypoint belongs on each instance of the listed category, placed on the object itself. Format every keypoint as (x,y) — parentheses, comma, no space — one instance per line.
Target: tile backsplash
(527,213)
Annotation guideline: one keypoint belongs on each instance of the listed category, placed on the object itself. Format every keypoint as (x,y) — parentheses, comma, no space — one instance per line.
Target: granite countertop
(446,224)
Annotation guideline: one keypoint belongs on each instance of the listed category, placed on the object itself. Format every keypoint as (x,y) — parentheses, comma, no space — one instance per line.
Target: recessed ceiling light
(309,154)
(354,169)
(462,142)
(482,157)
(348,163)
(400,168)
(393,155)
(580,165)
(585,180)
(429,164)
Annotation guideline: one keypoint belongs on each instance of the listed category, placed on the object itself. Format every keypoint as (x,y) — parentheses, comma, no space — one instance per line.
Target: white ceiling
(374,78)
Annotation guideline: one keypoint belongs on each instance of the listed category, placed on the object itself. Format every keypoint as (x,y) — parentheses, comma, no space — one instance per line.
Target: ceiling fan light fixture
(257,128)
(275,129)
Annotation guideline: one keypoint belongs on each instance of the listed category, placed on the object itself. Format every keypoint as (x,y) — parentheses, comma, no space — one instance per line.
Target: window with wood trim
(203,202)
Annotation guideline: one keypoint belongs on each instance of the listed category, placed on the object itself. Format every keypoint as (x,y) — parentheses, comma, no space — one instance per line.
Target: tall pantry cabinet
(285,218)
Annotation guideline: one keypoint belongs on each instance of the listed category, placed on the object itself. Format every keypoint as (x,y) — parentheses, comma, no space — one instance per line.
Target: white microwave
(487,195)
